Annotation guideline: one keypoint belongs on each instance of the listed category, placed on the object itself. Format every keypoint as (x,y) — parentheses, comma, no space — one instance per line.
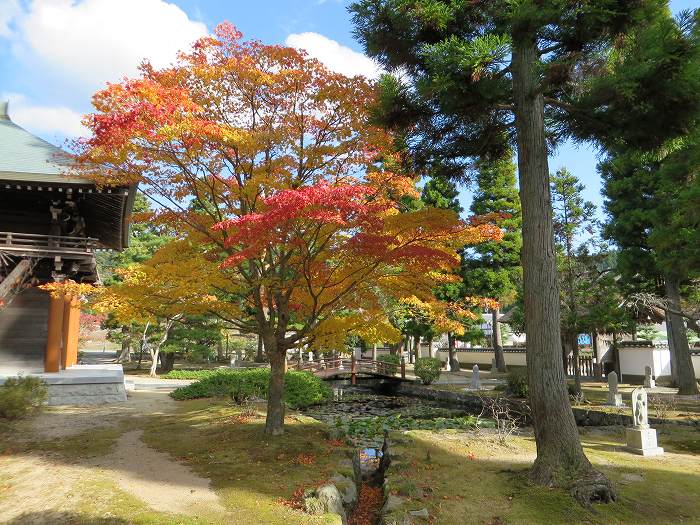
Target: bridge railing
(352,366)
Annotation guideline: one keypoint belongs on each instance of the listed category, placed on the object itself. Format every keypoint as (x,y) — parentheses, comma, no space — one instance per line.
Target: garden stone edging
(584,416)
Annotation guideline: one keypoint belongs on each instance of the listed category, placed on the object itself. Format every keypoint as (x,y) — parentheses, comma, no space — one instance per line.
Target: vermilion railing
(351,366)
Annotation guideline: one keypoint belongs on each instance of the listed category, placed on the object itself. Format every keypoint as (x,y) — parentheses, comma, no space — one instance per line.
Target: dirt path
(36,485)
(155,478)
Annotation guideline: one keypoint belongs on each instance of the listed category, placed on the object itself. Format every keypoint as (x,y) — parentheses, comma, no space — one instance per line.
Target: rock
(422,513)
(629,478)
(329,496)
(391,504)
(347,489)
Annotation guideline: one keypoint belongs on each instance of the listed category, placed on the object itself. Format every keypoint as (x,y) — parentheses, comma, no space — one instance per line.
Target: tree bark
(374,352)
(260,356)
(560,457)
(672,350)
(155,349)
(274,422)
(577,364)
(497,342)
(687,384)
(451,365)
(416,347)
(430,346)
(125,353)
(219,351)
(167,362)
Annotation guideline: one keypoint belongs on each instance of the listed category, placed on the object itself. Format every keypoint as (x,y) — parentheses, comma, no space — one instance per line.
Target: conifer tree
(473,74)
(493,269)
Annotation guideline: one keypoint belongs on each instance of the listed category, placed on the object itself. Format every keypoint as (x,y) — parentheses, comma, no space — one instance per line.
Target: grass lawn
(468,478)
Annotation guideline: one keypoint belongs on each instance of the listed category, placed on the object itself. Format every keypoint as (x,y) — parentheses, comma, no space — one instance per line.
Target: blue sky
(55,53)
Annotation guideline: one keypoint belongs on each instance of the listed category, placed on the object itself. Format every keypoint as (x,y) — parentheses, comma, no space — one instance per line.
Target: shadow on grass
(51,517)
(252,471)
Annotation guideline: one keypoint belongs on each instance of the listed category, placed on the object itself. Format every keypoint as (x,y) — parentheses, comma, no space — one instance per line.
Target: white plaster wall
(484,358)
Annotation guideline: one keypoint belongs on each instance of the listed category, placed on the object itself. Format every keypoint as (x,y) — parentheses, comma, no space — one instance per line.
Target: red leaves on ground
(304,459)
(368,506)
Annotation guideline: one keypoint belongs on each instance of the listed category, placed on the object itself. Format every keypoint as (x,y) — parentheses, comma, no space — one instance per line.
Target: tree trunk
(560,458)
(616,357)
(374,352)
(672,351)
(219,351)
(416,348)
(430,347)
(577,364)
(260,357)
(274,423)
(451,365)
(155,350)
(687,384)
(167,362)
(125,353)
(497,343)
(142,347)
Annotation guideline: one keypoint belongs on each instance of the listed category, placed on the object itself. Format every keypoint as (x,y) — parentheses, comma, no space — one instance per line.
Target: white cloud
(95,41)
(45,120)
(9,9)
(336,57)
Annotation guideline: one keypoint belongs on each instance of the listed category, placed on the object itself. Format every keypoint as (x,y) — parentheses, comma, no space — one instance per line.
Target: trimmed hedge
(428,369)
(301,389)
(193,374)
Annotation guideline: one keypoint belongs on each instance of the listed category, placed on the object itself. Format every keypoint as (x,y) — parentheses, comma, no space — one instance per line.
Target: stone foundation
(86,394)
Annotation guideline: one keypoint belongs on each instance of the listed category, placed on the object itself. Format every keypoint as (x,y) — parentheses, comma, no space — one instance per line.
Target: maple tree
(265,166)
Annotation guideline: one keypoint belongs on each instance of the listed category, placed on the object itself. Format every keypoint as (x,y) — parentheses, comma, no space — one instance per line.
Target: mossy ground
(468,478)
(225,443)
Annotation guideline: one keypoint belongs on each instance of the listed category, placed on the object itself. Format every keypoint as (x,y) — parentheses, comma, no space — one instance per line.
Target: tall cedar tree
(480,71)
(650,131)
(654,220)
(574,230)
(493,269)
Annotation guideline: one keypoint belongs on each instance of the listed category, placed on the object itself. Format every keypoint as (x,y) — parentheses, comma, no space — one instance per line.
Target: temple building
(50,228)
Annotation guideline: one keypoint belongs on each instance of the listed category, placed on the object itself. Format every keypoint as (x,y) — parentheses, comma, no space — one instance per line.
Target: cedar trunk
(497,342)
(560,458)
(687,384)
(274,423)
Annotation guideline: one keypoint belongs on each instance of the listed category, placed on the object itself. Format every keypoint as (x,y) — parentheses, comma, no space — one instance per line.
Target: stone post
(649,381)
(476,383)
(614,399)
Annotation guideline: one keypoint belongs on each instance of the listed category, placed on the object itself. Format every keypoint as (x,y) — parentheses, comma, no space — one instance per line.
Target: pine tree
(493,269)
(474,74)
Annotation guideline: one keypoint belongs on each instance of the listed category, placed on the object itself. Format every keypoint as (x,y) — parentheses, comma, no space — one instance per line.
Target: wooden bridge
(339,366)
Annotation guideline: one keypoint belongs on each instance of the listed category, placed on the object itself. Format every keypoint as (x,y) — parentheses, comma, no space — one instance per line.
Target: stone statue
(641,439)
(640,412)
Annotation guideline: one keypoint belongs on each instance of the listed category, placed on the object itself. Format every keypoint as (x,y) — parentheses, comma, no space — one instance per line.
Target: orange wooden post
(353,370)
(403,368)
(71,331)
(54,339)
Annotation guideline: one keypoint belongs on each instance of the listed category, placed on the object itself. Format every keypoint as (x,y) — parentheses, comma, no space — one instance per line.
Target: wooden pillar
(71,331)
(54,340)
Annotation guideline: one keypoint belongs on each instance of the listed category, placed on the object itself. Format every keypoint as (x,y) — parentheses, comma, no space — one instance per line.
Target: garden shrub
(300,388)
(390,359)
(22,396)
(428,369)
(517,384)
(193,374)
